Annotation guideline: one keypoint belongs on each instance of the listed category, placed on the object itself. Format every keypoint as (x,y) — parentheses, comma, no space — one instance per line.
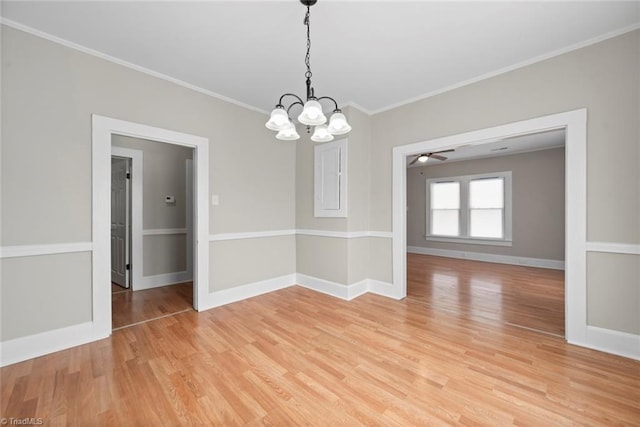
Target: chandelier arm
(337,109)
(295,103)
(289,94)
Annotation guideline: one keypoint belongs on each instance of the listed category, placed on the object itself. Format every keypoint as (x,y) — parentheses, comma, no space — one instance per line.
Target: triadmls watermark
(27,421)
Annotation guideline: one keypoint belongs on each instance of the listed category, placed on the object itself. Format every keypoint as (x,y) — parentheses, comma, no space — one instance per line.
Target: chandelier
(311,114)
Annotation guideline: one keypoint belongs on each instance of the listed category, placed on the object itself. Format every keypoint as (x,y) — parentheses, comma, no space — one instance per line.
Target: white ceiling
(374,54)
(503,147)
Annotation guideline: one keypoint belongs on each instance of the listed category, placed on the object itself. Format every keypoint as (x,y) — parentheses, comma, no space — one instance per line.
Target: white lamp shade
(321,134)
(423,158)
(289,133)
(278,120)
(338,124)
(312,114)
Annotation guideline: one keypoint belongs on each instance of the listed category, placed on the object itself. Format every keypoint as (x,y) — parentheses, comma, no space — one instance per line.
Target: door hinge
(128,267)
(128,175)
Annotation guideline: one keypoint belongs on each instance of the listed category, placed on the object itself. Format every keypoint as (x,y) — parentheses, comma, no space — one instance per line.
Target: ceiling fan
(422,158)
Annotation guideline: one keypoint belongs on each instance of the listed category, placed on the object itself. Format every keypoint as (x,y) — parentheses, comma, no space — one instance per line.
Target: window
(445,208)
(486,208)
(470,209)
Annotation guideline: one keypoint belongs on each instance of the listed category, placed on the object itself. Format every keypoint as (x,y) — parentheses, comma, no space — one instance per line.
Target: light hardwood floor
(129,307)
(522,296)
(297,357)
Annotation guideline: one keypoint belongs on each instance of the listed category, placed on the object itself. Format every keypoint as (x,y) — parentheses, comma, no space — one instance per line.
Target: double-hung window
(470,209)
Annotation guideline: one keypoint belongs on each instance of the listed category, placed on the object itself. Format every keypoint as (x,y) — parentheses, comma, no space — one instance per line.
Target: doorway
(103,128)
(498,251)
(575,124)
(159,195)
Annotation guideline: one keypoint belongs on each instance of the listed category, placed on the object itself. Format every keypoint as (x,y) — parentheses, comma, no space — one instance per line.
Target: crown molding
(101,55)
(509,68)
(367,111)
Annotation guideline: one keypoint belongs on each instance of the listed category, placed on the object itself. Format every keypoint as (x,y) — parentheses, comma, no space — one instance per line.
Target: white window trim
(464,210)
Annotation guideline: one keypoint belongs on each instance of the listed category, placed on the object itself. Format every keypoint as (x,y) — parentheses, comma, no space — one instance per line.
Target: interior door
(120,220)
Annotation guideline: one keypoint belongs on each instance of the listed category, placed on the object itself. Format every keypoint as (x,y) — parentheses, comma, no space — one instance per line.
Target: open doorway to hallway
(486,231)
(151,230)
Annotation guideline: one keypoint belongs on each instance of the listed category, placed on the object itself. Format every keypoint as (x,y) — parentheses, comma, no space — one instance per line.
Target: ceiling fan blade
(444,151)
(435,156)
(414,160)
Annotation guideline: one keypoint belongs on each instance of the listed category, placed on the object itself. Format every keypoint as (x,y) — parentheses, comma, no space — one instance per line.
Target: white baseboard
(499,259)
(345,292)
(354,290)
(328,287)
(149,282)
(383,288)
(239,293)
(29,347)
(609,341)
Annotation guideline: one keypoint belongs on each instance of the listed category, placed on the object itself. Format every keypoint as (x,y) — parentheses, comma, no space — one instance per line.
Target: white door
(120,220)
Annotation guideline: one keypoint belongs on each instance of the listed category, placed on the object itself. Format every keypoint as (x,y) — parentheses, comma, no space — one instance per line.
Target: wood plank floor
(129,307)
(298,357)
(523,296)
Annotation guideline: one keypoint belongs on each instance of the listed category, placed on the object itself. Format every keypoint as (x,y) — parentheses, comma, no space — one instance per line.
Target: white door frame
(575,123)
(102,130)
(137,188)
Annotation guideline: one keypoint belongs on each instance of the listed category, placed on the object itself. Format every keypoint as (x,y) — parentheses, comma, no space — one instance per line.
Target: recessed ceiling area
(503,147)
(372,54)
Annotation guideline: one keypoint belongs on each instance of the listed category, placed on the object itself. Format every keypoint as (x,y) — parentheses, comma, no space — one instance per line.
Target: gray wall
(603,78)
(164,173)
(48,95)
(537,202)
(341,260)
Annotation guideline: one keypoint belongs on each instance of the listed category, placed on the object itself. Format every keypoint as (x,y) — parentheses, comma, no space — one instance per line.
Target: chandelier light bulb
(278,119)
(338,124)
(312,114)
(289,133)
(321,134)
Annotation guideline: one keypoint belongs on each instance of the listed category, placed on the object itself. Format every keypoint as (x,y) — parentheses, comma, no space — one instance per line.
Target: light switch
(169,199)
(215,200)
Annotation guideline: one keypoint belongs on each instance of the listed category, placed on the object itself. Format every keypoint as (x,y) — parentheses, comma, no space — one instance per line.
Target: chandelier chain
(307,58)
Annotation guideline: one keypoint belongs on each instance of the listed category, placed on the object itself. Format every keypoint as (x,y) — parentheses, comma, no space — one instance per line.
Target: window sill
(470,240)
